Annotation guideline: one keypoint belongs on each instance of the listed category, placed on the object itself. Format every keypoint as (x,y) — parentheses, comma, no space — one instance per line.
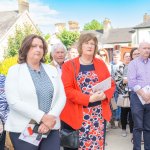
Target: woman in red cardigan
(85,110)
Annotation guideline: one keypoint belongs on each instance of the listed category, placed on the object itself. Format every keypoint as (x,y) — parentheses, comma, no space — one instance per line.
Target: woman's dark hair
(85,38)
(26,45)
(132,51)
(125,53)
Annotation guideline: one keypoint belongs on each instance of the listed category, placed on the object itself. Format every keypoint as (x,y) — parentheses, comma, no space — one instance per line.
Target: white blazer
(22,98)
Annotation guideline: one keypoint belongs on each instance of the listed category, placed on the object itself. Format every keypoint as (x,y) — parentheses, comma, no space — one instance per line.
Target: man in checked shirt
(139,83)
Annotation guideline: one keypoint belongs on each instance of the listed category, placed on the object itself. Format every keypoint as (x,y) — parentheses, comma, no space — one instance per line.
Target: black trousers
(125,116)
(2,140)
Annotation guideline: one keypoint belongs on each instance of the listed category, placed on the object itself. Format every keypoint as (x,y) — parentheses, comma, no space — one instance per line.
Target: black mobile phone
(36,127)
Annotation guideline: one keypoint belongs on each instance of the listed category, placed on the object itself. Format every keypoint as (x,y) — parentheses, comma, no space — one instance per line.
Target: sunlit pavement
(114,140)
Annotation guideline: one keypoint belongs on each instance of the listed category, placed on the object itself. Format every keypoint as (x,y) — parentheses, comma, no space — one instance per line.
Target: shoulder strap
(74,69)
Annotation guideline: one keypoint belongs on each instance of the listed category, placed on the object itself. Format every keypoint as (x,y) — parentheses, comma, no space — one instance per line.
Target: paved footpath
(115,141)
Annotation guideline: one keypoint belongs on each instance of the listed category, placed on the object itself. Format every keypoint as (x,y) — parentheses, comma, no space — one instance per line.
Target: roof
(7,19)
(143,25)
(119,35)
(98,33)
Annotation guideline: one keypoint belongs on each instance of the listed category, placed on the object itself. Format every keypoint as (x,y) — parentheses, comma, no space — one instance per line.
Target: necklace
(85,63)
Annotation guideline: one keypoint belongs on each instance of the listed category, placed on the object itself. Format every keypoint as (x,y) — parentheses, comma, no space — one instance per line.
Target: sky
(45,13)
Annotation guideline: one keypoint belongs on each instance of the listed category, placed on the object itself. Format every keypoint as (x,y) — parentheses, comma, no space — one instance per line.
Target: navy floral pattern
(91,134)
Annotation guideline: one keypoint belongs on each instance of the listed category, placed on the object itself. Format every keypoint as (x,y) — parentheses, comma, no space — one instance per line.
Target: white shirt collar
(58,67)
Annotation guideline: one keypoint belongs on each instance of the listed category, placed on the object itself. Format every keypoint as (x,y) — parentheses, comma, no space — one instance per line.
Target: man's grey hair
(144,42)
(58,46)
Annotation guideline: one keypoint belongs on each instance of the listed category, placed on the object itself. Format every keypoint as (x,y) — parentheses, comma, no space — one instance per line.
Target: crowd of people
(59,96)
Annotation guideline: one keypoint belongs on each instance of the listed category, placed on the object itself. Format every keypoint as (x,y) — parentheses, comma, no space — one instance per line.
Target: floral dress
(4,109)
(91,134)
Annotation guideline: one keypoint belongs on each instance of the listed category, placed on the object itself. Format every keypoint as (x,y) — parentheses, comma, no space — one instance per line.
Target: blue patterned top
(86,79)
(44,88)
(3,103)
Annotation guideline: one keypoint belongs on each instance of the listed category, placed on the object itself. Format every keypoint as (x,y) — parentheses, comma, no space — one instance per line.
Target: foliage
(93,25)
(10,61)
(6,64)
(48,60)
(68,37)
(47,37)
(14,41)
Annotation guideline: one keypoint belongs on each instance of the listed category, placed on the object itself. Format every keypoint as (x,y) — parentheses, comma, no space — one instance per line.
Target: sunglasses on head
(102,55)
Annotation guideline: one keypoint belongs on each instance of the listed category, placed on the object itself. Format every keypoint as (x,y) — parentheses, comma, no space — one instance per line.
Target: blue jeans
(141,119)
(117,112)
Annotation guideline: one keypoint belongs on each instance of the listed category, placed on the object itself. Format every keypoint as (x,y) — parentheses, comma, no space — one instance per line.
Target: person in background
(85,110)
(72,52)
(138,80)
(57,55)
(116,62)
(3,112)
(134,53)
(115,121)
(122,84)
(103,54)
(34,90)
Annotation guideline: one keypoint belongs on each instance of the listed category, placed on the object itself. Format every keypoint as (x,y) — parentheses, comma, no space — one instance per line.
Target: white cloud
(44,16)
(41,13)
(42,8)
(6,5)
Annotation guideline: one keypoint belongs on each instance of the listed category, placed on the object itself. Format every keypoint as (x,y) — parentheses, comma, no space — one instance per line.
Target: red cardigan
(72,113)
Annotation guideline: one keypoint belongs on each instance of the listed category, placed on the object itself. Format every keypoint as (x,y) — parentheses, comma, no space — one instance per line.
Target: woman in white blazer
(34,90)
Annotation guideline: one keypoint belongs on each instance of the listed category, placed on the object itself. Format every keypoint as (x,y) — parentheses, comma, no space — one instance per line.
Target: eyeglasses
(89,43)
(136,53)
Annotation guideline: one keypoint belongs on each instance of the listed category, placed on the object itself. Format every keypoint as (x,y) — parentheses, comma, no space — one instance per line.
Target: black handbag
(69,138)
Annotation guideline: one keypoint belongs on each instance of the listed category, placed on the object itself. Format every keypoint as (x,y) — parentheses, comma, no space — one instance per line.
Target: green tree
(47,37)
(68,37)
(93,25)
(14,41)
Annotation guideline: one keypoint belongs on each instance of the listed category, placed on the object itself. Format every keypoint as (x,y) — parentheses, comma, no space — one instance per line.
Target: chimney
(23,5)
(146,17)
(106,25)
(59,27)
(73,26)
